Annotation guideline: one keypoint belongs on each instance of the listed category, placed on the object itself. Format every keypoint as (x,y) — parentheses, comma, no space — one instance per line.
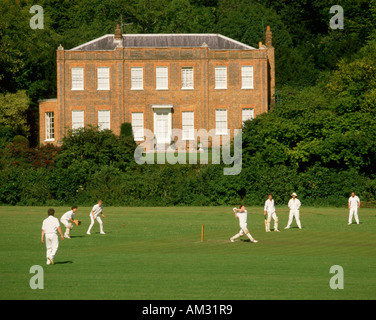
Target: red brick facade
(122,101)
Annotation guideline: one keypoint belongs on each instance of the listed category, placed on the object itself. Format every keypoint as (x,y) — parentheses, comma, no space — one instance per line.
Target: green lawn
(158,254)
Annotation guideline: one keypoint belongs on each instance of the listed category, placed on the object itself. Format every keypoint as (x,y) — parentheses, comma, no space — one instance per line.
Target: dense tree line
(319,140)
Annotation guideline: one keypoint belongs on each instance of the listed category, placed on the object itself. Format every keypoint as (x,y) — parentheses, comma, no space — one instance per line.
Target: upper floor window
(161,78)
(187,78)
(103,78)
(247,77)
(77,75)
(221,77)
(137,78)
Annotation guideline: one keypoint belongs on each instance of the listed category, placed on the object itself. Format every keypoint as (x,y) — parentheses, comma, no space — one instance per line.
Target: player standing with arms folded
(269,210)
(49,227)
(354,205)
(94,215)
(242,215)
(294,205)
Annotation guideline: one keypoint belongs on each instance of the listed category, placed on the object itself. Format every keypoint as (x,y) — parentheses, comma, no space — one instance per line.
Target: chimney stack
(268,37)
(117,33)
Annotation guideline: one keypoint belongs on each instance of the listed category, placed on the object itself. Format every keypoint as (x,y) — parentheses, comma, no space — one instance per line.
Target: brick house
(159,82)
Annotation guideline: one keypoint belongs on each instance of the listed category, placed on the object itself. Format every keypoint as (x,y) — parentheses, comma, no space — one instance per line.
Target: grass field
(158,254)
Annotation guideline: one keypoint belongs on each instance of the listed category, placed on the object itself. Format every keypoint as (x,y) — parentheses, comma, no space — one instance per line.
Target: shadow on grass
(63,262)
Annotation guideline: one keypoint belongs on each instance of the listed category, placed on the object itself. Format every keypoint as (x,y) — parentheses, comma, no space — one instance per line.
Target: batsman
(269,213)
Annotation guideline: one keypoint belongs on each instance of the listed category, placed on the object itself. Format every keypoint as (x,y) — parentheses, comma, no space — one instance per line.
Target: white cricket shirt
(243,217)
(353,201)
(294,204)
(50,224)
(97,210)
(67,215)
(269,206)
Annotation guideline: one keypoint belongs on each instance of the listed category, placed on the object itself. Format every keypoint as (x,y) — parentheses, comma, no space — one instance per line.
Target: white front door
(162,125)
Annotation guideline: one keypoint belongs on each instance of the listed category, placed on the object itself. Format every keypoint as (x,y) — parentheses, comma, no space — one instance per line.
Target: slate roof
(213,41)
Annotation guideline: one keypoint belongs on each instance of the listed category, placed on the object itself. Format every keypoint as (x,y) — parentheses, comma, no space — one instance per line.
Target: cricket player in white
(354,205)
(94,215)
(294,205)
(269,209)
(242,215)
(49,227)
(67,219)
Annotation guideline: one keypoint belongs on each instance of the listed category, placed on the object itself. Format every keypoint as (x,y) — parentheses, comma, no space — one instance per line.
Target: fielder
(67,220)
(94,215)
(242,215)
(49,227)
(294,205)
(269,210)
(354,205)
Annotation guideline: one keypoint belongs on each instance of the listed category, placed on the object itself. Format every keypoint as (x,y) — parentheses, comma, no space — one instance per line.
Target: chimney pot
(117,32)
(268,37)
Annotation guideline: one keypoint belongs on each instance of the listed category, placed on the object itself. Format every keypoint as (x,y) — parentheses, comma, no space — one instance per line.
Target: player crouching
(68,220)
(241,214)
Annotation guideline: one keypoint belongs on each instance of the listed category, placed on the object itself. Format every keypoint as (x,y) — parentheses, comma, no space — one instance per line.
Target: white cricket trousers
(353,213)
(52,244)
(294,213)
(92,223)
(68,225)
(243,230)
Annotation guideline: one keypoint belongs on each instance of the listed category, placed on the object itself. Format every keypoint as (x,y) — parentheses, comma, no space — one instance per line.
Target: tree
(13,107)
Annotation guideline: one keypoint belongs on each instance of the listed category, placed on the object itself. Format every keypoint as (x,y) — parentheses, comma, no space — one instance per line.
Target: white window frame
(220,75)
(77,78)
(188,125)
(77,124)
(104,120)
(161,78)
(247,114)
(187,78)
(247,77)
(221,122)
(137,78)
(103,78)
(50,126)
(138,126)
